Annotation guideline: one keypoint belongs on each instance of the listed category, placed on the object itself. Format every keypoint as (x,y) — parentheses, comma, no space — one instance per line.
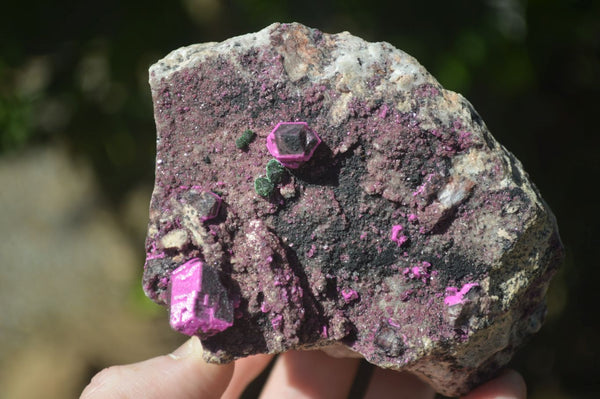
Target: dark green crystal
(275,171)
(263,187)
(245,139)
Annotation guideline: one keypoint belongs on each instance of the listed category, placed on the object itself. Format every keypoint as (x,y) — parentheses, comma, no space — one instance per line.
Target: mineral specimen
(292,143)
(207,204)
(264,186)
(245,139)
(199,303)
(275,171)
(401,232)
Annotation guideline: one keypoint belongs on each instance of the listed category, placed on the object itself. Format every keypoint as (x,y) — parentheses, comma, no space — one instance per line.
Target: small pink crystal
(456,296)
(396,236)
(276,322)
(349,295)
(292,143)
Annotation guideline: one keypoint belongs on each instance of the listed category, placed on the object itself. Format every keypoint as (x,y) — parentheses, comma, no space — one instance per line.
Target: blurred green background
(77,149)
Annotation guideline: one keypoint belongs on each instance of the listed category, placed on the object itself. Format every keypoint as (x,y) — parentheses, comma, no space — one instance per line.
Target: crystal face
(207,203)
(199,302)
(292,143)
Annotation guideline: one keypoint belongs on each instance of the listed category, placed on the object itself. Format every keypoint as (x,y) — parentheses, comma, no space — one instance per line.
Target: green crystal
(245,139)
(275,171)
(263,186)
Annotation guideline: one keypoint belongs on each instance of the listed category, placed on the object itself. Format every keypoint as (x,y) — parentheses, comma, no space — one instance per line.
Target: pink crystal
(292,143)
(349,295)
(456,296)
(277,321)
(199,303)
(396,236)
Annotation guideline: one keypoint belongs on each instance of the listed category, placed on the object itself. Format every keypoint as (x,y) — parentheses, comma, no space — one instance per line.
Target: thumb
(181,375)
(508,385)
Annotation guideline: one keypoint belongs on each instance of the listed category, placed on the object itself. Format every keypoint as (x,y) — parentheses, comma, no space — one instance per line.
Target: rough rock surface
(410,237)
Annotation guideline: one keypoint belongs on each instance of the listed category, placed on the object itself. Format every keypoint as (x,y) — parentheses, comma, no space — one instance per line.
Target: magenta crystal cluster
(198,303)
(402,232)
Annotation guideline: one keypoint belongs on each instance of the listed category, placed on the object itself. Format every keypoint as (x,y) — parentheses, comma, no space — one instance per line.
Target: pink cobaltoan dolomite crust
(317,191)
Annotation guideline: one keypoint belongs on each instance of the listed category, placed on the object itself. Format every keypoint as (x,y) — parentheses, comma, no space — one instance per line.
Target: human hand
(307,374)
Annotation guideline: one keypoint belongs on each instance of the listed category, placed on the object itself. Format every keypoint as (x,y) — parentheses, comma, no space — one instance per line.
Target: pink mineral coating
(457,296)
(191,309)
(395,143)
(349,295)
(396,236)
(421,272)
(277,321)
(291,129)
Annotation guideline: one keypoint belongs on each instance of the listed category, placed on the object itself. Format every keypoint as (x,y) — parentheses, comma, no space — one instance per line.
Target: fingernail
(190,347)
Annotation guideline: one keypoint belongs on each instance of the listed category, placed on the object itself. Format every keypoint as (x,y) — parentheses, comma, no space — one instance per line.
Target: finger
(180,375)
(508,385)
(310,374)
(246,370)
(398,385)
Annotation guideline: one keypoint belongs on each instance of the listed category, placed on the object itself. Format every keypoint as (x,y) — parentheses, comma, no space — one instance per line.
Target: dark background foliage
(75,73)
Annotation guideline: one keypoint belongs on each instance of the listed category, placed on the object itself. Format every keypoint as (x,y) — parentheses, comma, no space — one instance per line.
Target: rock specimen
(373,211)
